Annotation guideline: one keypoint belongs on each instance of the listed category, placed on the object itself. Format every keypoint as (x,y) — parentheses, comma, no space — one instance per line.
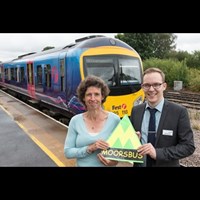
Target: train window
(12,71)
(22,74)
(102,66)
(6,74)
(47,70)
(39,75)
(115,70)
(15,73)
(106,72)
(62,73)
(129,71)
(38,85)
(9,74)
(18,74)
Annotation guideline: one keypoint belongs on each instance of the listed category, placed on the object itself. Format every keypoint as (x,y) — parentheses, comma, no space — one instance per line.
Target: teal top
(78,139)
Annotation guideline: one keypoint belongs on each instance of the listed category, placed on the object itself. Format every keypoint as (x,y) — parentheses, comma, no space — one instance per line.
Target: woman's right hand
(99,144)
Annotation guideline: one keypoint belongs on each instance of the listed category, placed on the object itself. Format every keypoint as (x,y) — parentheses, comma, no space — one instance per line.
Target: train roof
(88,41)
(53,50)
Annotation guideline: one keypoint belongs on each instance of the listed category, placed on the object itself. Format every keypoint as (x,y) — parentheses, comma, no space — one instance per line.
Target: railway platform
(16,148)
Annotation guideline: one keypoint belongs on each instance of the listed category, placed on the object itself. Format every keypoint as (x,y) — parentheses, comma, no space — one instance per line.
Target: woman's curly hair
(92,81)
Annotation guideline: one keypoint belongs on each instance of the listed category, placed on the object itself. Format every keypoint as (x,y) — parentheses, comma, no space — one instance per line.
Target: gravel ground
(194,159)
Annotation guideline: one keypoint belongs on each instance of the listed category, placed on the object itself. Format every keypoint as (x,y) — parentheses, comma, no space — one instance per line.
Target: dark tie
(151,132)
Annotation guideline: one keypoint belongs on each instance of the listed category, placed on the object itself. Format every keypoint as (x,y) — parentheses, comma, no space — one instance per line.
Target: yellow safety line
(43,147)
(6,111)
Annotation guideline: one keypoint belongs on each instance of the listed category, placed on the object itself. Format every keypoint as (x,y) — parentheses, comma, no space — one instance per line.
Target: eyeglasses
(147,86)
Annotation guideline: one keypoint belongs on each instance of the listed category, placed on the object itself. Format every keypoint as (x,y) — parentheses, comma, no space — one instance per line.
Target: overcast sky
(14,44)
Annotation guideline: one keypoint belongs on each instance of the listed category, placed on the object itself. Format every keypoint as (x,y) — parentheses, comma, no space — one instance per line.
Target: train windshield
(115,70)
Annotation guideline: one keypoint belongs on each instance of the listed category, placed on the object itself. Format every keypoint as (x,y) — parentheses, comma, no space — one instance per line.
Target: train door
(30,75)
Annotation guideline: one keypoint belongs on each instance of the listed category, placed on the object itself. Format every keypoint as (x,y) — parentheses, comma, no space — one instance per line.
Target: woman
(88,132)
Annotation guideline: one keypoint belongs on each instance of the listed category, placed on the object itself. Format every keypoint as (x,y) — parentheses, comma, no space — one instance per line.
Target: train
(50,78)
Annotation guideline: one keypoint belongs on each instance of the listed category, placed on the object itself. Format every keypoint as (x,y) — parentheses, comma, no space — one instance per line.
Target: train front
(119,66)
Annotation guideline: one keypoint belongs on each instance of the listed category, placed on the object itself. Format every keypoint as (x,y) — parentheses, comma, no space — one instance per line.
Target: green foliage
(178,55)
(174,70)
(194,83)
(141,42)
(193,61)
(149,45)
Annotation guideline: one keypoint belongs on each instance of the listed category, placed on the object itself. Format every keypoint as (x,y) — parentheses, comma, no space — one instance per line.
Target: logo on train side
(119,107)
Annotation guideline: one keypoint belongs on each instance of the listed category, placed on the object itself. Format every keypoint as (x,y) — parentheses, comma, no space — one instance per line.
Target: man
(172,138)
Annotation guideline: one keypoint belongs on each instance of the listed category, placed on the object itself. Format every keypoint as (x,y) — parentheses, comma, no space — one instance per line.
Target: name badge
(167,132)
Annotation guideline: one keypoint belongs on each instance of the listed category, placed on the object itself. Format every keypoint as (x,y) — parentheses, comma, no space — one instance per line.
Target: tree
(178,55)
(194,60)
(149,45)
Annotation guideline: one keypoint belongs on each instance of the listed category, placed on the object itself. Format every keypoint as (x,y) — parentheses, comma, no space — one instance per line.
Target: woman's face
(93,98)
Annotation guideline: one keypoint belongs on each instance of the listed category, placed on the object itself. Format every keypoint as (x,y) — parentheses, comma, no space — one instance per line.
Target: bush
(194,83)
(173,69)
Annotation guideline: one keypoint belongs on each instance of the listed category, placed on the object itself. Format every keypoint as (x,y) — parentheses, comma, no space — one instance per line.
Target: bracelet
(88,151)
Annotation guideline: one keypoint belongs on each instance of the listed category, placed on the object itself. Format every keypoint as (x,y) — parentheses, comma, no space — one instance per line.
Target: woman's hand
(99,144)
(107,162)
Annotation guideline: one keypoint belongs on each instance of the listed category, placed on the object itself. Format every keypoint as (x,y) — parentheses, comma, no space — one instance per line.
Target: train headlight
(138,101)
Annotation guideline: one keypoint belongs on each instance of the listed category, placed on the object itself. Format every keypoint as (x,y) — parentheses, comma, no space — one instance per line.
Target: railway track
(187,99)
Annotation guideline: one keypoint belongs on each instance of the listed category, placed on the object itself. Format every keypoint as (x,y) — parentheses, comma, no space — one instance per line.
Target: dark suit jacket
(169,149)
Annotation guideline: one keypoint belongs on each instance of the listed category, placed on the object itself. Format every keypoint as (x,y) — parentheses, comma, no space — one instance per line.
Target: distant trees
(150,45)
(192,60)
(176,70)
(160,46)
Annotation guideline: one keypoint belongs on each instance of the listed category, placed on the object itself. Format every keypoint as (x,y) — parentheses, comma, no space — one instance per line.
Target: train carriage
(51,77)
